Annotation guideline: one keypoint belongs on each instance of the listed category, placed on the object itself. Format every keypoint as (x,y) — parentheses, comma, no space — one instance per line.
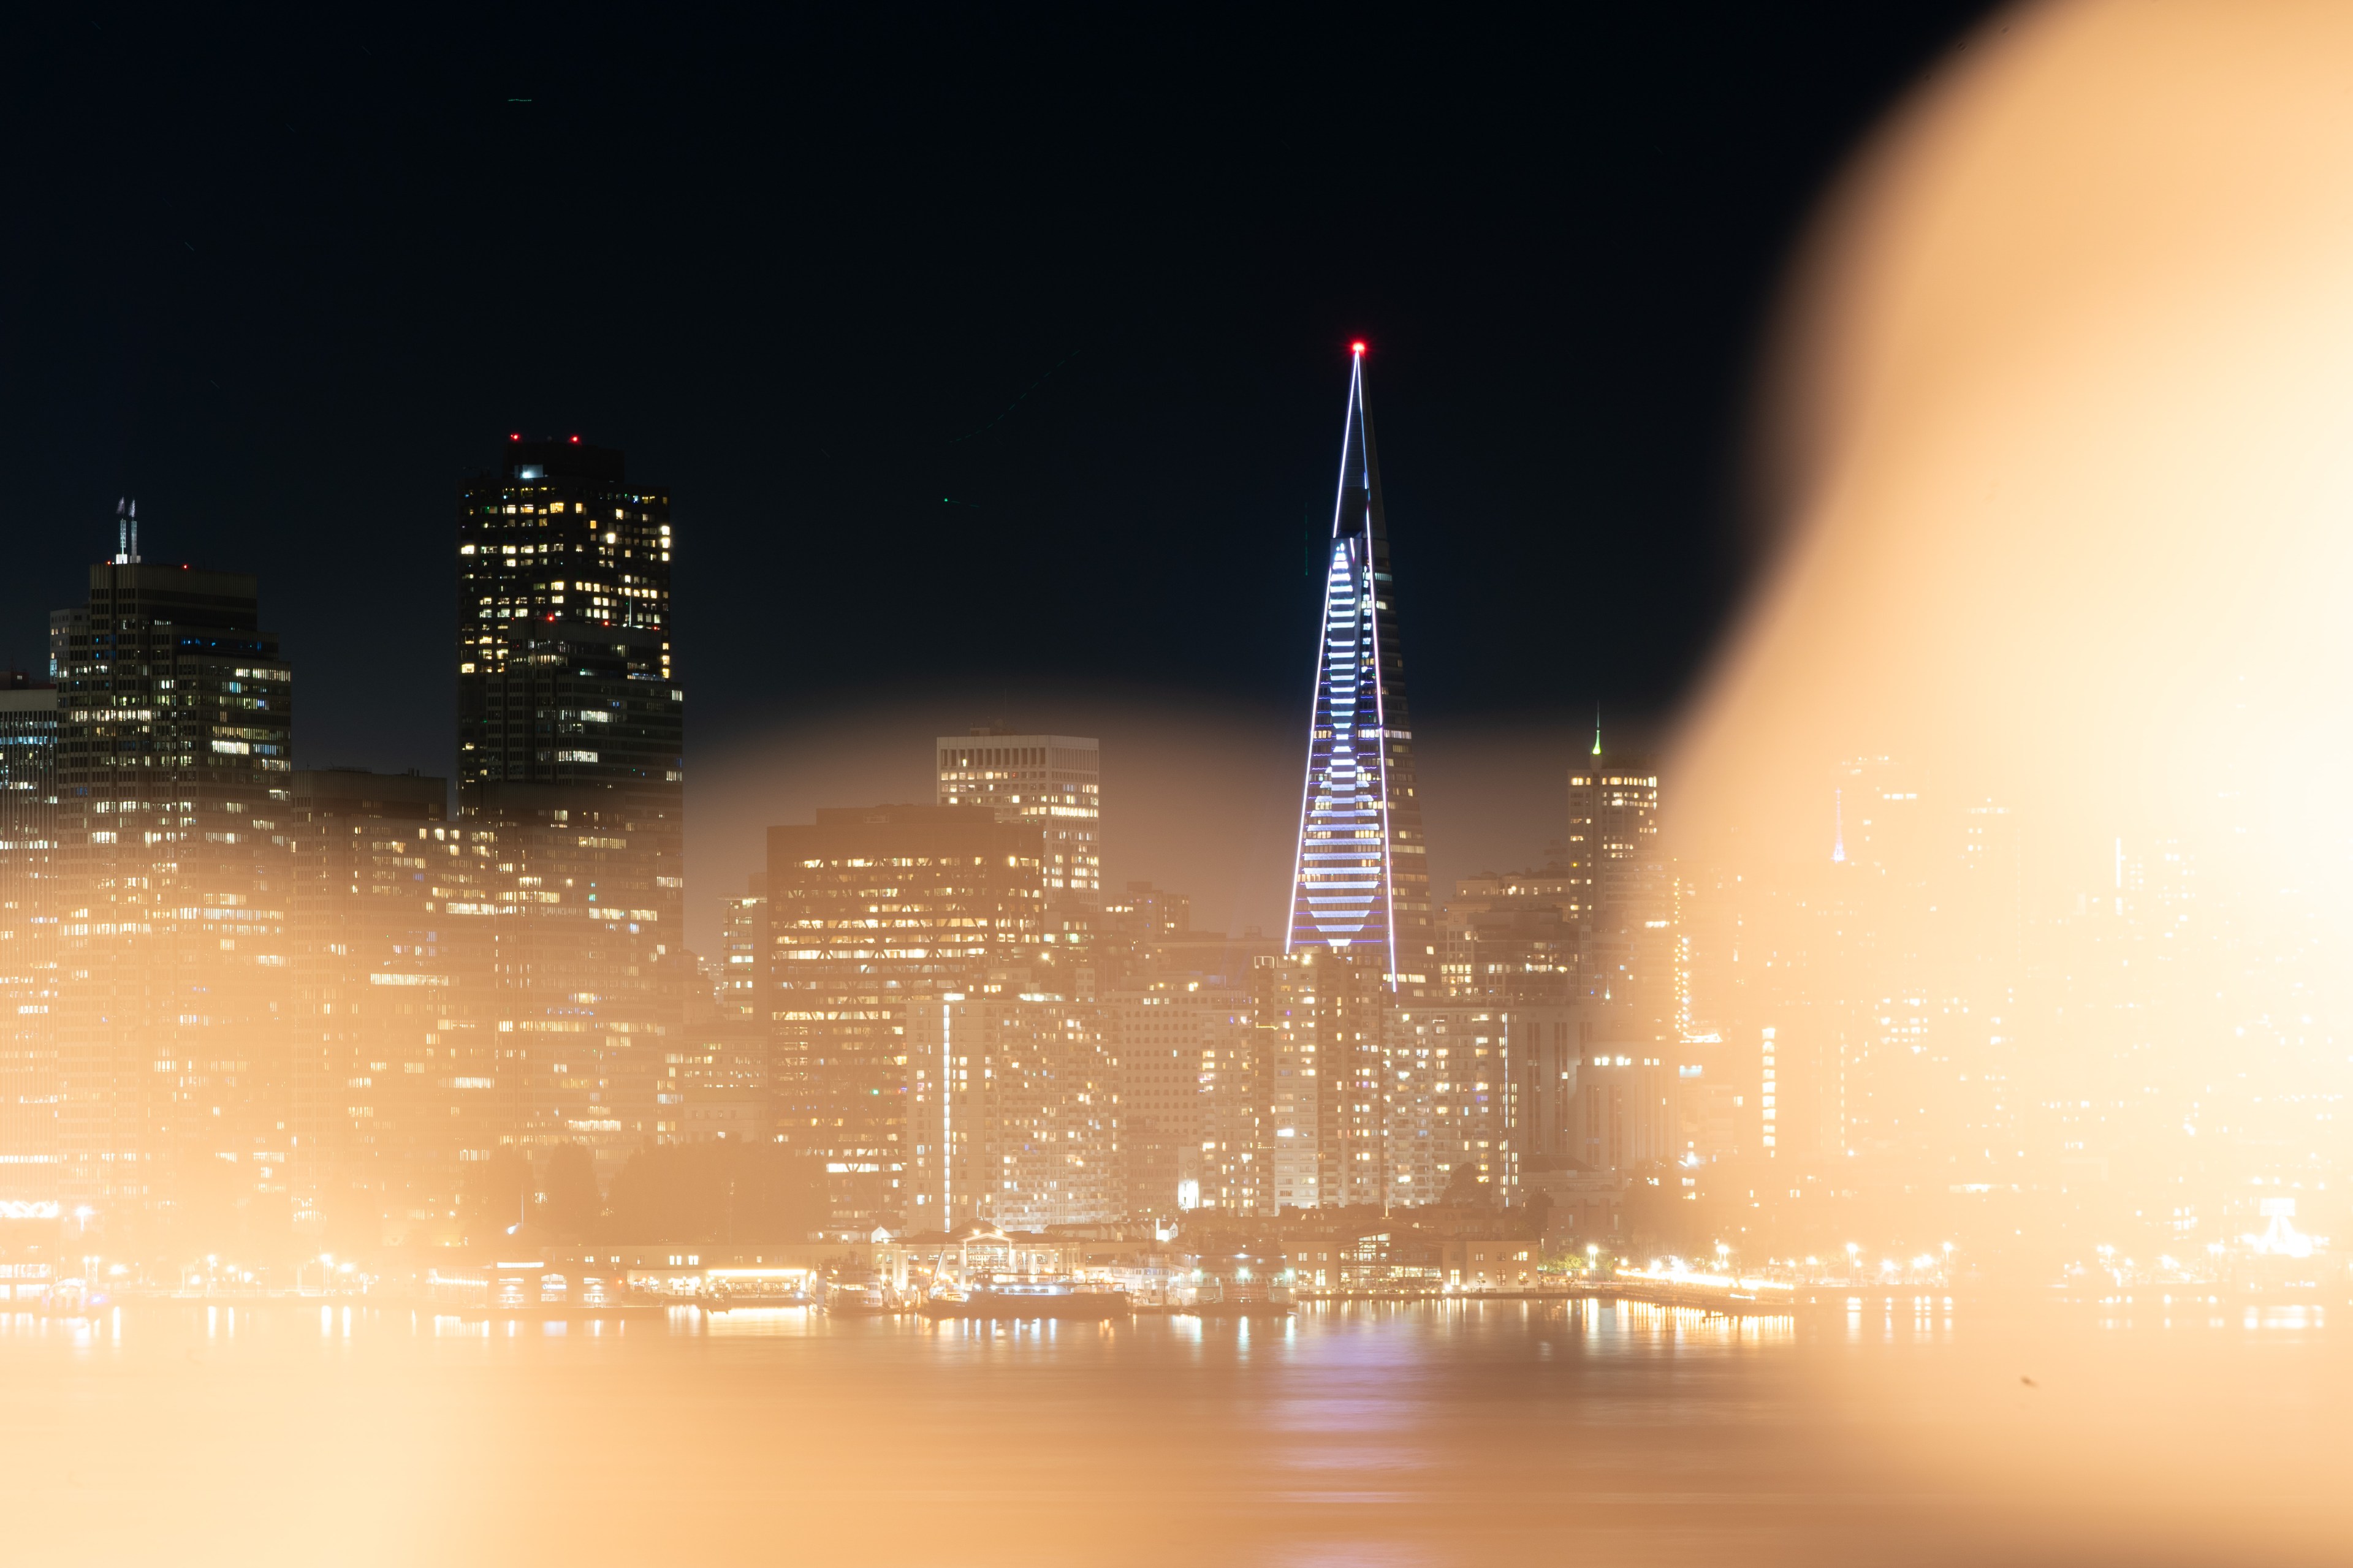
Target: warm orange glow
(2055,437)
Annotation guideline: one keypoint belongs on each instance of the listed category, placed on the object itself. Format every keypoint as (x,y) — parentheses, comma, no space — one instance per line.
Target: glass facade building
(565,671)
(1360,883)
(872,914)
(175,790)
(397,1091)
(570,778)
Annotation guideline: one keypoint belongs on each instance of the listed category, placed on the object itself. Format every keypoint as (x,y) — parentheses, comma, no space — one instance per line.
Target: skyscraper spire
(1361,880)
(1597,729)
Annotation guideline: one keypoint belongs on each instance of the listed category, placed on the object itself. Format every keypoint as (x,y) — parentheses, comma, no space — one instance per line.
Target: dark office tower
(569,726)
(30,908)
(396,1086)
(871,913)
(174,783)
(1360,882)
(564,645)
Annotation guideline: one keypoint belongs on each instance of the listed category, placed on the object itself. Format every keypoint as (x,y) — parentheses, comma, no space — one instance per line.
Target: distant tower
(1613,825)
(565,670)
(1360,881)
(1054,781)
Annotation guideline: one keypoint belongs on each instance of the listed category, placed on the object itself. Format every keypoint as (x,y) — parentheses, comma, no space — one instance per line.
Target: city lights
(1820,1045)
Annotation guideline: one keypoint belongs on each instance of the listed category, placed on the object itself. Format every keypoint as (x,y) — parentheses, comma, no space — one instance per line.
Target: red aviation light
(1357,347)
(516,436)
(576,440)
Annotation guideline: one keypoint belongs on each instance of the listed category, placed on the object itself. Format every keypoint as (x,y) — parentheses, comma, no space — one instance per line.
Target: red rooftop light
(1357,347)
(516,436)
(576,440)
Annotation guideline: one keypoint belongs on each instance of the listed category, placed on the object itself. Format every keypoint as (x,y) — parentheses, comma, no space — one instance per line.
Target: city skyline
(720,836)
(560,909)
(1048,380)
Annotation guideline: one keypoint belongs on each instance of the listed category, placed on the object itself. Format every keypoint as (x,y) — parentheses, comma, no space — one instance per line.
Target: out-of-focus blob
(2058,431)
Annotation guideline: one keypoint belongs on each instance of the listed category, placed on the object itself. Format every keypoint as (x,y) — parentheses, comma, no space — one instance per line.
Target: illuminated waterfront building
(1012,1110)
(30,903)
(1193,1096)
(1052,780)
(1362,1042)
(1360,882)
(1453,1105)
(872,911)
(174,788)
(1282,1004)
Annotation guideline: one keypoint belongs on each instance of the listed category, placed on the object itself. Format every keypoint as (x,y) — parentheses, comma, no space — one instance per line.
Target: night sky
(984,352)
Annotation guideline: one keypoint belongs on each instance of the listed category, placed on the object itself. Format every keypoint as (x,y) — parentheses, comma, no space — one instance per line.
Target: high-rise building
(872,911)
(570,735)
(1362,1042)
(1613,826)
(397,1089)
(30,902)
(1011,1114)
(1360,876)
(1282,1008)
(1513,937)
(1054,782)
(1624,897)
(1454,1105)
(743,938)
(589,975)
(1193,1096)
(174,786)
(564,666)
(1360,882)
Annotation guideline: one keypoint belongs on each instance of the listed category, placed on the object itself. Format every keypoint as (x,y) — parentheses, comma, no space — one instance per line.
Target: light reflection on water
(1871,1430)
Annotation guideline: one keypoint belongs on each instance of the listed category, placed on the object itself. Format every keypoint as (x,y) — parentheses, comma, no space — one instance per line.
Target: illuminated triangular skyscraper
(1360,884)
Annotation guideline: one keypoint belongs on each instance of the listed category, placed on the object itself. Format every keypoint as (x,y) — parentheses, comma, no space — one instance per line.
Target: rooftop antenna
(1597,729)
(126,533)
